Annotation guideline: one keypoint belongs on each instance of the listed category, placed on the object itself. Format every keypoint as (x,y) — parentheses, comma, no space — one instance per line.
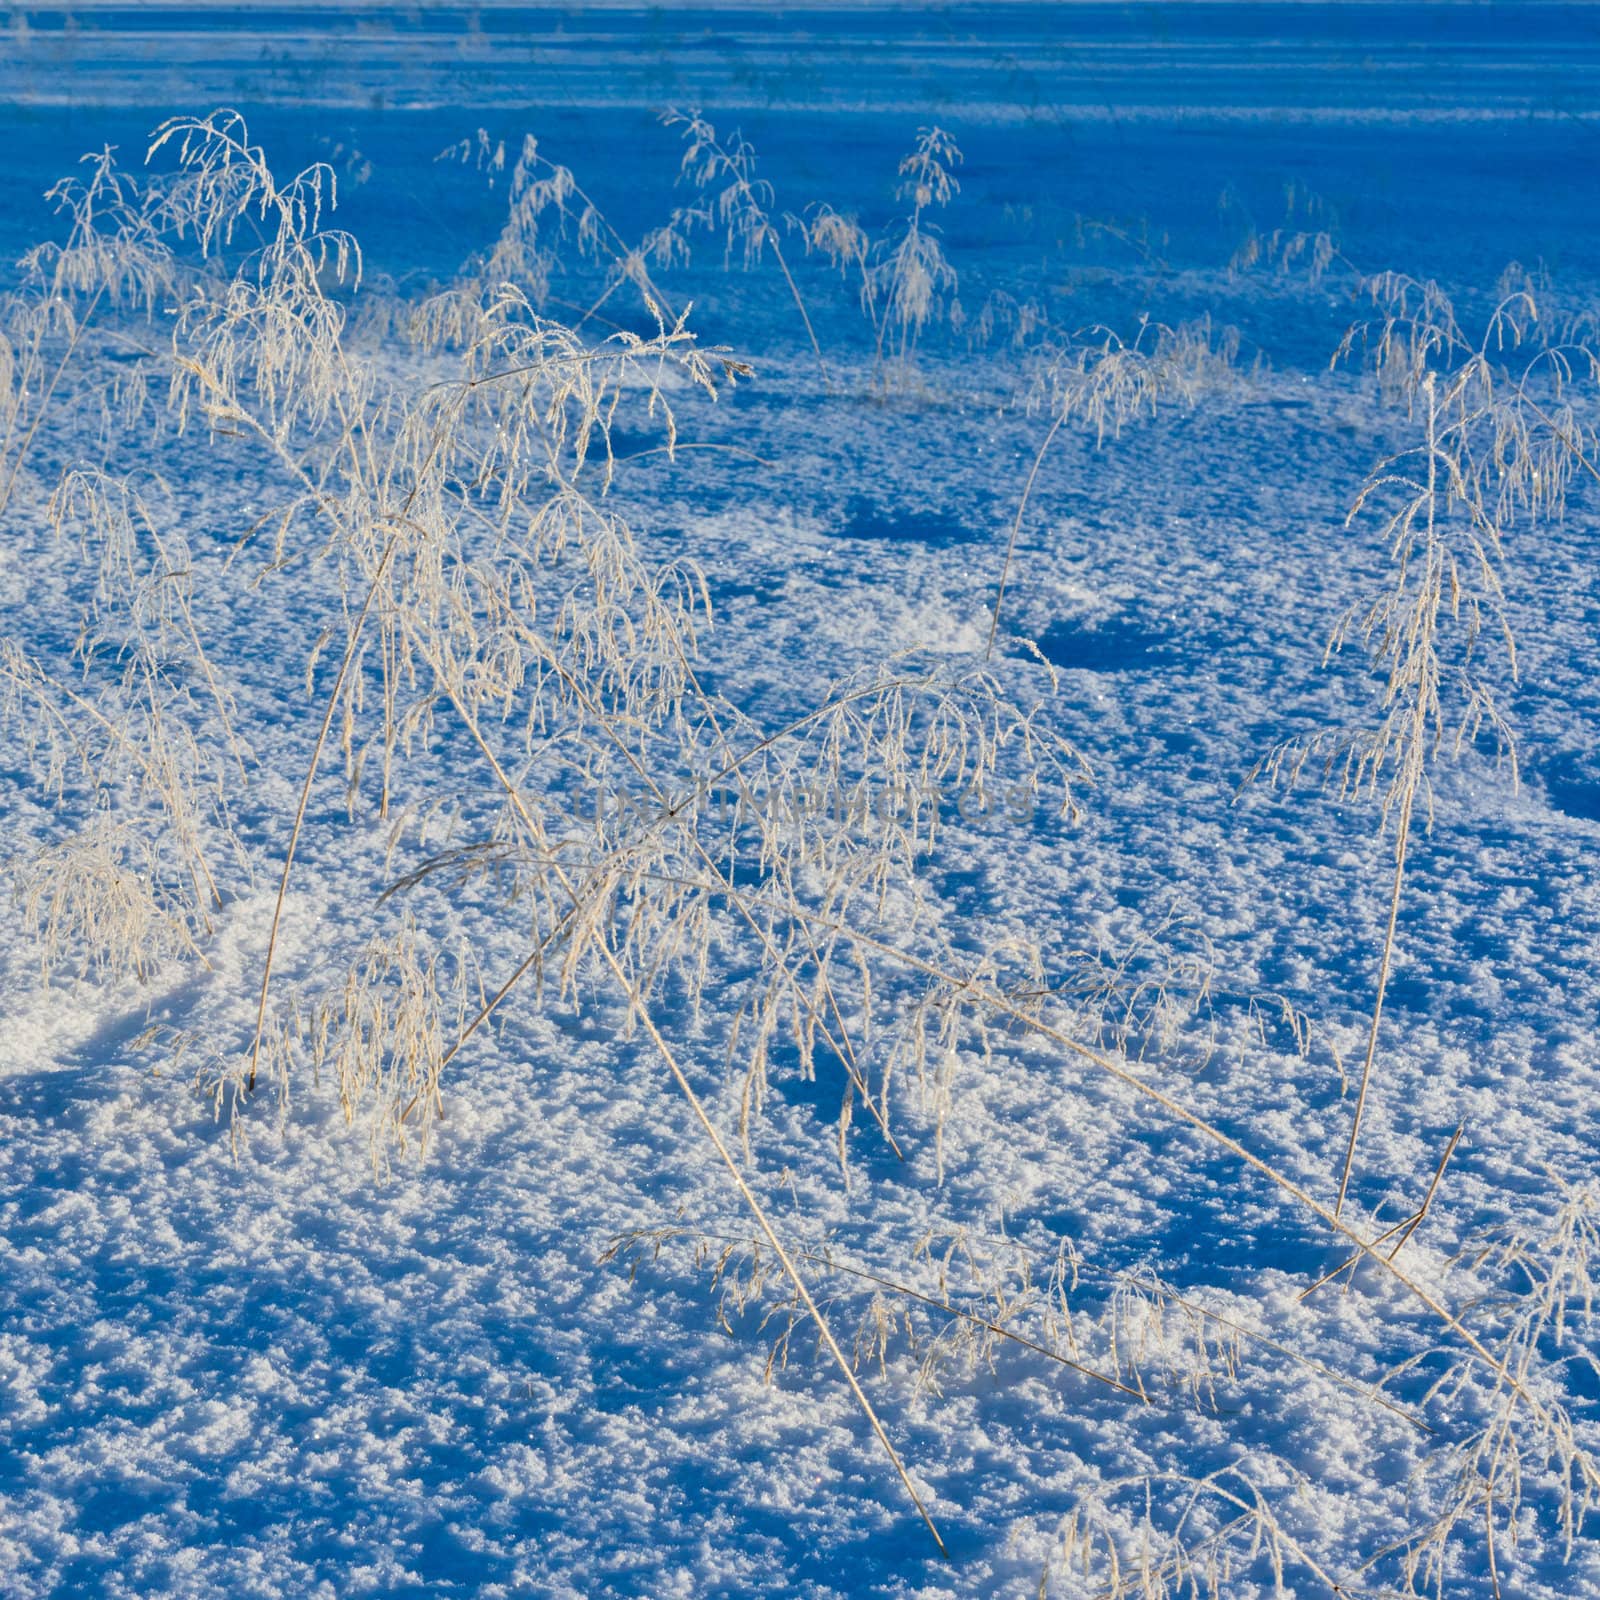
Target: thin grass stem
(1016,528)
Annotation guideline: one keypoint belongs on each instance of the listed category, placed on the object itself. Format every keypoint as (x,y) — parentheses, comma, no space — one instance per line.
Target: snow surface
(231,1362)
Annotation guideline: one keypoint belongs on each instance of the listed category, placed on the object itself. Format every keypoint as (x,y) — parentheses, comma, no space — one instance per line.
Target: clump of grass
(540,190)
(486,587)
(113,259)
(1497,444)
(904,281)
(380,1035)
(911,277)
(1176,1537)
(739,204)
(147,812)
(101,902)
(1306,243)
(137,747)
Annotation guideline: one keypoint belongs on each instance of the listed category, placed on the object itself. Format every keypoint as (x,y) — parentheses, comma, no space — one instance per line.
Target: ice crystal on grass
(101,903)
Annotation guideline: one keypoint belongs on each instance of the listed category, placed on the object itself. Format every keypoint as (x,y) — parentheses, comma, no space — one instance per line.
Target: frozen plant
(539,189)
(1497,443)
(740,204)
(113,259)
(911,276)
(1096,377)
(488,595)
(136,746)
(1305,242)
(847,245)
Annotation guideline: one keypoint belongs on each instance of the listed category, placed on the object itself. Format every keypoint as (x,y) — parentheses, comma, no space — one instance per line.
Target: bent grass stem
(996,1001)
(1016,528)
(639,1010)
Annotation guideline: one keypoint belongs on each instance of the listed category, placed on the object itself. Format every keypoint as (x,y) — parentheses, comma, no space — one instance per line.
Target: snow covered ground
(548,1356)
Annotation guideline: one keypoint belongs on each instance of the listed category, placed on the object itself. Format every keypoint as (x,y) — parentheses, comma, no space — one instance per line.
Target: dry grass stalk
(1487,455)
(741,205)
(1096,377)
(911,276)
(1406,1226)
(537,188)
(497,583)
(113,258)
